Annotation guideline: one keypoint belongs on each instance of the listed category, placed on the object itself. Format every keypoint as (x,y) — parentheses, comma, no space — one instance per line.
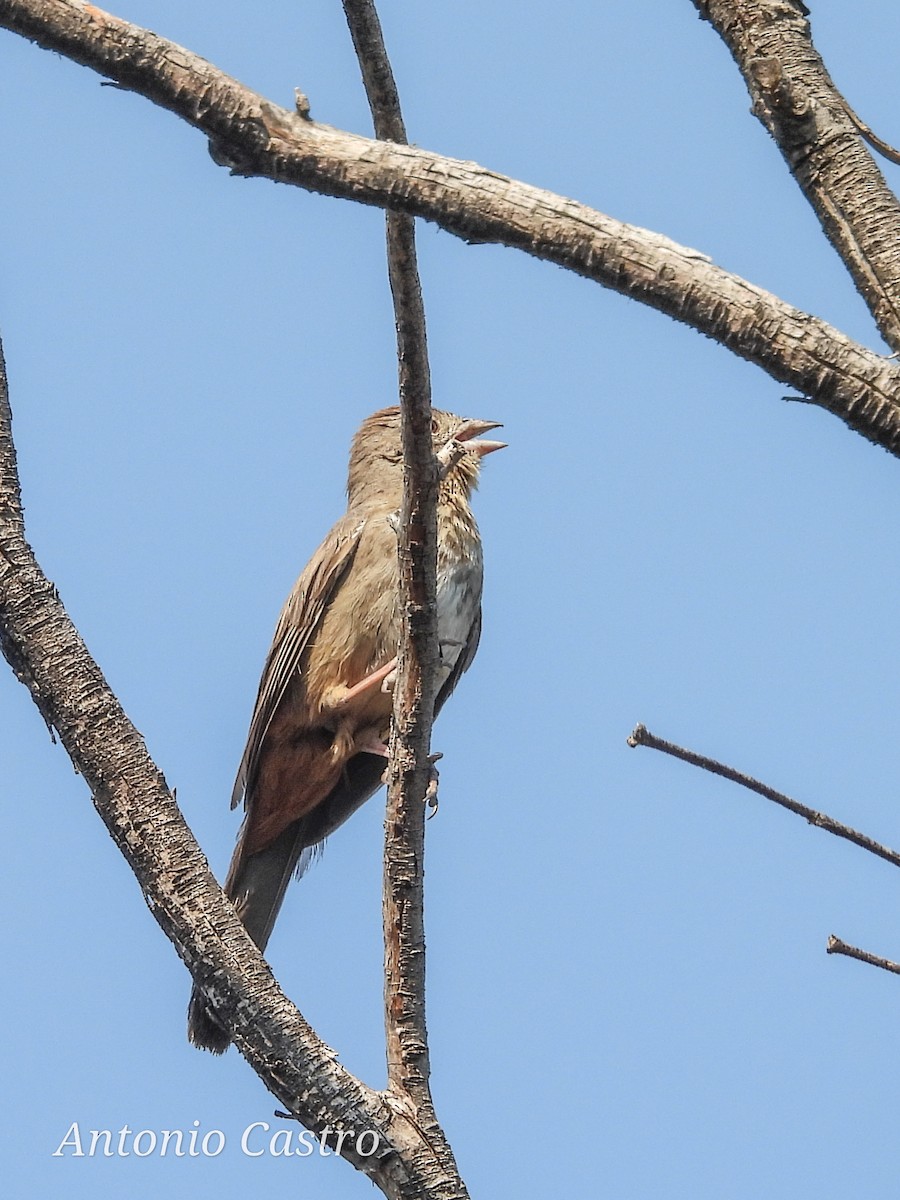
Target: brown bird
(316,747)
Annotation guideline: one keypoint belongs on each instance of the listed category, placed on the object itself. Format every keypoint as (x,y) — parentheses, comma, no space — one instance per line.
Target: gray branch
(256,137)
(819,137)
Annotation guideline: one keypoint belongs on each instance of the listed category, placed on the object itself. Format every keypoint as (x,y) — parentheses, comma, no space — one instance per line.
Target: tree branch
(415,691)
(817,134)
(375,66)
(404,934)
(885,149)
(834,945)
(134,801)
(256,137)
(641,736)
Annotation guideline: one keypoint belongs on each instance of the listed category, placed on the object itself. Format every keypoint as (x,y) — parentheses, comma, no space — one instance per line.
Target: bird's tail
(256,883)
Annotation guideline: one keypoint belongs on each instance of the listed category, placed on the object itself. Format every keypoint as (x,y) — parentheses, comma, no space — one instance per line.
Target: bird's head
(376,457)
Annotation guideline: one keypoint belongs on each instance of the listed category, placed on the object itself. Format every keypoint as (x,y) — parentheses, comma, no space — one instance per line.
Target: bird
(316,746)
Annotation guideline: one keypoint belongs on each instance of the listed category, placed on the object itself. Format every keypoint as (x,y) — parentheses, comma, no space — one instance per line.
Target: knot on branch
(781,100)
(246,141)
(235,162)
(301,105)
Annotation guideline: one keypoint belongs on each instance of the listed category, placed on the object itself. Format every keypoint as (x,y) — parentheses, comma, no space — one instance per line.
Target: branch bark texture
(415,692)
(836,946)
(256,137)
(796,100)
(407,1048)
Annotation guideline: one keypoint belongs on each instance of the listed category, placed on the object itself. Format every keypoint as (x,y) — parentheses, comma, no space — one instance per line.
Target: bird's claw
(430,799)
(431,792)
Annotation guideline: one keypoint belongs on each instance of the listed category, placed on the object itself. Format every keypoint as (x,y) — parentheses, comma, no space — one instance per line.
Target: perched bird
(316,747)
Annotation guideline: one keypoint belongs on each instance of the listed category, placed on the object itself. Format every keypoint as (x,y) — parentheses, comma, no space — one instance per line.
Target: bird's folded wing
(297,623)
(462,664)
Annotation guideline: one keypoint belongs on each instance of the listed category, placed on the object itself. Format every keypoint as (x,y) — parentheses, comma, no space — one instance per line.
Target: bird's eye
(434,425)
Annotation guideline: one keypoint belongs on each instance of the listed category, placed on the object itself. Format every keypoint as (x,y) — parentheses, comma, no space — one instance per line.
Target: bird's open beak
(470,431)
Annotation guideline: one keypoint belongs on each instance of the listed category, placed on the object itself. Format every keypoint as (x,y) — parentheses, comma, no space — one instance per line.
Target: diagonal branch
(818,136)
(641,736)
(836,946)
(404,930)
(134,801)
(259,138)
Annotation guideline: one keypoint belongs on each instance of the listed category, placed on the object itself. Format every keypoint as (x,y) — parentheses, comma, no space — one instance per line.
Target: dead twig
(641,736)
(836,946)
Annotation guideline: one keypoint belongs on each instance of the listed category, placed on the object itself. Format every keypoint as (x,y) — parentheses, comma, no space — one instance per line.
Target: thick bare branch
(257,137)
(135,803)
(641,736)
(818,135)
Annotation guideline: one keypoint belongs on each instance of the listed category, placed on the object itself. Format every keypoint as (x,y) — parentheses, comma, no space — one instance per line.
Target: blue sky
(627,976)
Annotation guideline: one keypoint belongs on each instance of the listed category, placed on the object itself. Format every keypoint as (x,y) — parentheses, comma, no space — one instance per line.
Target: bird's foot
(430,799)
(431,792)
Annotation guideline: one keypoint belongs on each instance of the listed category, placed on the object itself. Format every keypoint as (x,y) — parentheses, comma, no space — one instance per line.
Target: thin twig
(836,946)
(885,149)
(641,736)
(410,769)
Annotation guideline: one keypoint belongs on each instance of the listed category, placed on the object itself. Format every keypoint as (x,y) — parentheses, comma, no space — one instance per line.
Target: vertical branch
(407,1043)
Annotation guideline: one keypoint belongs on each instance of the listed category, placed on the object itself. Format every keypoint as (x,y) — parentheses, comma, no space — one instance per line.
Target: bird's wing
(297,623)
(462,664)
